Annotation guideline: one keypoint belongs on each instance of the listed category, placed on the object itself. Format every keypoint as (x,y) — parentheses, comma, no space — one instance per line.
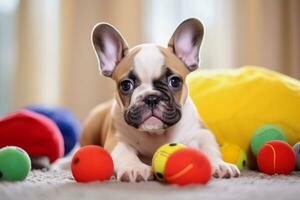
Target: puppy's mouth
(152,119)
(152,123)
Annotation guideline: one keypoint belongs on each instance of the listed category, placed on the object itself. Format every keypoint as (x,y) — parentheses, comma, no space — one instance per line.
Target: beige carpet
(44,185)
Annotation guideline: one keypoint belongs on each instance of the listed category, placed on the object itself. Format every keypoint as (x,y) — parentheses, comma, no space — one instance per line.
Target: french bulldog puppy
(151,105)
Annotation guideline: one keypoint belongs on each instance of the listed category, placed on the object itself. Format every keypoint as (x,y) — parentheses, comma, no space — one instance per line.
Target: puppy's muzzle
(153,105)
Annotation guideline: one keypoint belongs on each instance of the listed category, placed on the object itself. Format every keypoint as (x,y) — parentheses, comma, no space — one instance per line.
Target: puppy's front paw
(134,173)
(223,169)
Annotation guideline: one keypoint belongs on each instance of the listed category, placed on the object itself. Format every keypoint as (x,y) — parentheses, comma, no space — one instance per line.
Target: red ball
(276,157)
(188,166)
(92,163)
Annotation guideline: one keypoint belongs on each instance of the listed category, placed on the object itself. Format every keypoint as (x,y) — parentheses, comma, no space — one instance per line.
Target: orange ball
(276,157)
(188,166)
(92,163)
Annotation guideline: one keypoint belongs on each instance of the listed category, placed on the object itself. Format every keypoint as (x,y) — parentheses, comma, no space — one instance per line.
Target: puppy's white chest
(146,144)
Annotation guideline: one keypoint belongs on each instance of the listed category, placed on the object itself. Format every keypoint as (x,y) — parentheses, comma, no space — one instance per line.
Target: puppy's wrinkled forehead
(149,61)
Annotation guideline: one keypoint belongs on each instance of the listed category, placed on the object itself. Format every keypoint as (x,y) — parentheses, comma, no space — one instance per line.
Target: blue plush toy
(67,123)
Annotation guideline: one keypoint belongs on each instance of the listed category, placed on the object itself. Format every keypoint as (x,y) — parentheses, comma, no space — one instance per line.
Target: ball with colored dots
(160,158)
(15,164)
(276,157)
(92,163)
(297,152)
(188,166)
(232,153)
(264,134)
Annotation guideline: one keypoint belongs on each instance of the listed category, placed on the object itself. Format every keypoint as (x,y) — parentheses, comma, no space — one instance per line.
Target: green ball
(264,134)
(14,164)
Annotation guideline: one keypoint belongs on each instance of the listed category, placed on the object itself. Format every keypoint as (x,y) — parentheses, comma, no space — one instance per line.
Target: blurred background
(46,56)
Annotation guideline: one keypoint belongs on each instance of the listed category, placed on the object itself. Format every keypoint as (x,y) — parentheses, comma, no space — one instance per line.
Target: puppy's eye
(175,82)
(126,86)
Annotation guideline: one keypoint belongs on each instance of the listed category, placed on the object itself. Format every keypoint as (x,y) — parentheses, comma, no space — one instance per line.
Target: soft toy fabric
(235,102)
(35,133)
(67,123)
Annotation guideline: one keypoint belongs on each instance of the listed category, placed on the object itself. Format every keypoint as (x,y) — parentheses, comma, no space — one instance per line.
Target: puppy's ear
(185,42)
(109,46)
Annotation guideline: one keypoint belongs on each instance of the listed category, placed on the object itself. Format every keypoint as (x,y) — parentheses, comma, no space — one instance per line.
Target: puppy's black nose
(152,100)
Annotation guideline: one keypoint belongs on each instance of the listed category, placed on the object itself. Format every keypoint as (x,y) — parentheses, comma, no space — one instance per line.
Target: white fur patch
(148,64)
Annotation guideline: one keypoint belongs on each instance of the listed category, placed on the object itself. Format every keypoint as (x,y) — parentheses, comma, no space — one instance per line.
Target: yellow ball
(232,153)
(161,156)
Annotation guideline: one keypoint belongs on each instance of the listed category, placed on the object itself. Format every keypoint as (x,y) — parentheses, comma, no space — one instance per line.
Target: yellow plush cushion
(234,102)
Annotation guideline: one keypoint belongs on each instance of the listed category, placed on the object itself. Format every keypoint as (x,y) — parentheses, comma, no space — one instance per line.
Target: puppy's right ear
(110,47)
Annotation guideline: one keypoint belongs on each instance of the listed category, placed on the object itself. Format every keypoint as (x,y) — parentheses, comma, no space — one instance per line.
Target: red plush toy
(276,157)
(188,166)
(92,163)
(34,133)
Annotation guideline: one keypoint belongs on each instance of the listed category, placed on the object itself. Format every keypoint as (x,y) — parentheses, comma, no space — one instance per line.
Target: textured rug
(60,185)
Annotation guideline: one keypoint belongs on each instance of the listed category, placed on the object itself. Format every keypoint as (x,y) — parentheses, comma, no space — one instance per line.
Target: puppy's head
(150,79)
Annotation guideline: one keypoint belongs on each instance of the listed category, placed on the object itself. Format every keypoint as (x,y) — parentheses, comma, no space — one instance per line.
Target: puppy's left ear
(185,42)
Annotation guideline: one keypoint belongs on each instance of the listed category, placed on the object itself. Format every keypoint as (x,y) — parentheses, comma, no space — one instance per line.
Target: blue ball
(67,123)
(297,151)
